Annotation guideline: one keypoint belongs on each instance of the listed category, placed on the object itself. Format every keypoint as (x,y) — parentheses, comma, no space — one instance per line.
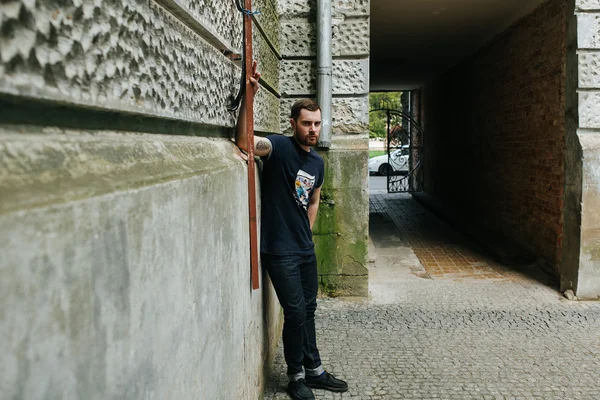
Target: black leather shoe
(299,391)
(326,381)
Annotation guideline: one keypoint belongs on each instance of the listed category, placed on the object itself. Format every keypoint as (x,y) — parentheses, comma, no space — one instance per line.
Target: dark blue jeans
(295,280)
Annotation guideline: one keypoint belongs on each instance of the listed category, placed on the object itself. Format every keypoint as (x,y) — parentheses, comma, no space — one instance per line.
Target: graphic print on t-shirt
(304,185)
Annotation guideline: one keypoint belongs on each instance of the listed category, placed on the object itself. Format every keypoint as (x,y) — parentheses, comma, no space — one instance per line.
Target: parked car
(396,162)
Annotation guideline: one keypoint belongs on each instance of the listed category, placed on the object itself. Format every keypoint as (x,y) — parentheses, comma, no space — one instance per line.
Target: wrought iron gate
(404,166)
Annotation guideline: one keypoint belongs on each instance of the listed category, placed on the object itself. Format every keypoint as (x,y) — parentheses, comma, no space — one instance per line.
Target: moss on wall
(341,229)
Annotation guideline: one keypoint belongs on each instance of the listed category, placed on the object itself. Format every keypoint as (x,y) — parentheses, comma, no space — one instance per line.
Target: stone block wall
(123,206)
(495,134)
(582,190)
(341,230)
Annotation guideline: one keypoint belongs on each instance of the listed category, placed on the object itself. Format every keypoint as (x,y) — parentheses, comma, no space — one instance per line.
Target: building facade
(123,200)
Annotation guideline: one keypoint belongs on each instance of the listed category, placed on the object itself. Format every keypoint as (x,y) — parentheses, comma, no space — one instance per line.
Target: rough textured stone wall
(581,259)
(341,231)
(127,56)
(495,134)
(123,206)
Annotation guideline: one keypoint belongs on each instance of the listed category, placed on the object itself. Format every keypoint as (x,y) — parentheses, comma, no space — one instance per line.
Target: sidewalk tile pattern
(442,251)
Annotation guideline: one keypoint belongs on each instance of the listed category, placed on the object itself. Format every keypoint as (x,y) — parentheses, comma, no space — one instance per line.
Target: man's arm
(262,146)
(313,206)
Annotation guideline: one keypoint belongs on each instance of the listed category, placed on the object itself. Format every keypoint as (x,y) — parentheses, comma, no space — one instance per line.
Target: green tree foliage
(378,119)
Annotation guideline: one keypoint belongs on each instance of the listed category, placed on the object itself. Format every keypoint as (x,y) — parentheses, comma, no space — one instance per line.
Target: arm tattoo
(263,145)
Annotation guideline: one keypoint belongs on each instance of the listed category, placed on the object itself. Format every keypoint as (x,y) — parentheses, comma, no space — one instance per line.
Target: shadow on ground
(444,252)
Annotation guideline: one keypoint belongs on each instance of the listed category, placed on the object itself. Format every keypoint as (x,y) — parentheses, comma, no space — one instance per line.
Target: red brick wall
(494,129)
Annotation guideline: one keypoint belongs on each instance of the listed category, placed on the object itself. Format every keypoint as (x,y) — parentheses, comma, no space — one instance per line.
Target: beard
(307,140)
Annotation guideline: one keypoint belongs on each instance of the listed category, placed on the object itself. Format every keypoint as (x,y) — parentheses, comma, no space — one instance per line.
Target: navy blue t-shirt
(290,175)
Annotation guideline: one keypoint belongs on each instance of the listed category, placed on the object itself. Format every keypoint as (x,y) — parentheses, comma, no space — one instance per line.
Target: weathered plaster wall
(582,191)
(137,293)
(124,257)
(495,135)
(341,231)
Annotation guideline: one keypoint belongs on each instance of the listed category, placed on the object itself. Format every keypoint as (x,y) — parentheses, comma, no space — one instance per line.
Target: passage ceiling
(412,41)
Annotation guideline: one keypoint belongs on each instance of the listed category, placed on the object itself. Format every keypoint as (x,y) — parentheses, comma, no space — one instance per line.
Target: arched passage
(505,128)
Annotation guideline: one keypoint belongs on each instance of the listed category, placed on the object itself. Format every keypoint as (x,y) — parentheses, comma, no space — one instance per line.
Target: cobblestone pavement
(474,330)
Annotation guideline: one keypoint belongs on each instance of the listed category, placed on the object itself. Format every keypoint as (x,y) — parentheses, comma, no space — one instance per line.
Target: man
(291,187)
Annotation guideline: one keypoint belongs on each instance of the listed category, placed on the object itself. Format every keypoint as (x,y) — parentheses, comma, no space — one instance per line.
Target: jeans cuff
(295,377)
(315,372)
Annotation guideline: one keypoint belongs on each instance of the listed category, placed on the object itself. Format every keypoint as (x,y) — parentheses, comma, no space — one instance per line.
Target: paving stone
(510,336)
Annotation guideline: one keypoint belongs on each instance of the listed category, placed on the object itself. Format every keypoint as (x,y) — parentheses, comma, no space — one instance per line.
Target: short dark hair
(304,104)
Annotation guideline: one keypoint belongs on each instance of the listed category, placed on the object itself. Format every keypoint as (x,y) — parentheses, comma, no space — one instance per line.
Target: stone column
(580,268)
(341,231)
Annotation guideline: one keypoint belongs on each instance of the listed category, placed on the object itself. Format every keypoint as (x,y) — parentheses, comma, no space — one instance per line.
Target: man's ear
(293,123)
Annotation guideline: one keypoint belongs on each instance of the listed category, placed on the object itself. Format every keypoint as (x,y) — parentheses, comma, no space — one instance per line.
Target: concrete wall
(123,207)
(341,230)
(582,190)
(495,134)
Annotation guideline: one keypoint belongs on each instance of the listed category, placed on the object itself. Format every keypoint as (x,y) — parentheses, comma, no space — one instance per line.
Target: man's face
(308,127)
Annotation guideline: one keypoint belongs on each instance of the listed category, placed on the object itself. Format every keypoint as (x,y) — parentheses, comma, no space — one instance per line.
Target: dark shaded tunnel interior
(489,94)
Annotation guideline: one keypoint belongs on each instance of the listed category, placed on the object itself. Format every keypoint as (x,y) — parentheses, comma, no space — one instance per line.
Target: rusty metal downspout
(250,134)
(324,68)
